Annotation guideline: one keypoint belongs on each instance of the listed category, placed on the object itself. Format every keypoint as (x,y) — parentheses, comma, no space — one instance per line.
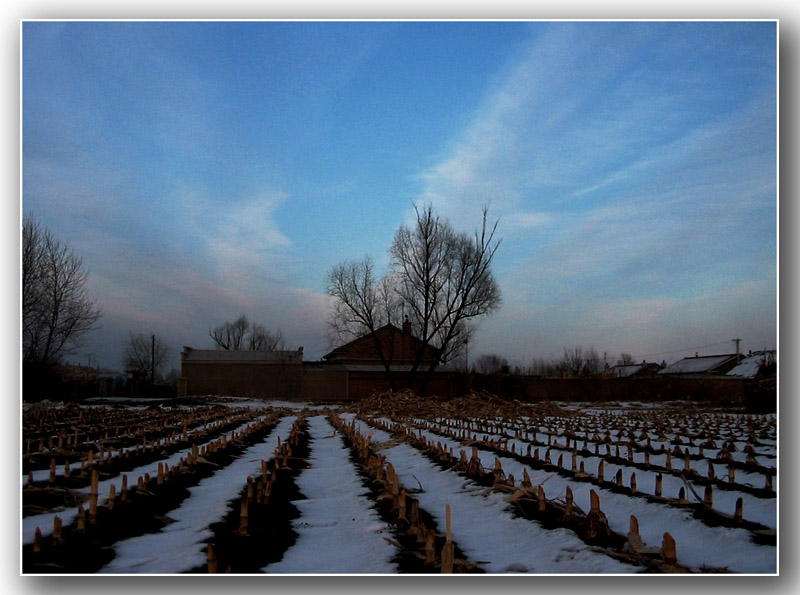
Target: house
(639,370)
(397,347)
(755,363)
(351,371)
(702,365)
(364,361)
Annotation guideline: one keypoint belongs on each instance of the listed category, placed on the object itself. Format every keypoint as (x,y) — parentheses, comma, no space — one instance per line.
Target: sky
(204,170)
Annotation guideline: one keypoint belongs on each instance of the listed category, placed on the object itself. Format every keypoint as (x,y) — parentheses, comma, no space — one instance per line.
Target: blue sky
(208,169)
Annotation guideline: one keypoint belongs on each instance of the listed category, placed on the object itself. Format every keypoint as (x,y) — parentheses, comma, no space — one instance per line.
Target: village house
(366,358)
(351,371)
(702,365)
(640,370)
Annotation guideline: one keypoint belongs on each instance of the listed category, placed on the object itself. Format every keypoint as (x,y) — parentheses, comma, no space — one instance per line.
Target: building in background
(703,365)
(255,374)
(352,371)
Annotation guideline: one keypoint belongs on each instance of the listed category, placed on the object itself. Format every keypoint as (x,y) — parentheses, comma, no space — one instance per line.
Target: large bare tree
(230,335)
(439,278)
(445,280)
(56,309)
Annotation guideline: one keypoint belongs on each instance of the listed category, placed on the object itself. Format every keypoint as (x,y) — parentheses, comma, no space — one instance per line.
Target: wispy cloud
(199,167)
(241,239)
(635,201)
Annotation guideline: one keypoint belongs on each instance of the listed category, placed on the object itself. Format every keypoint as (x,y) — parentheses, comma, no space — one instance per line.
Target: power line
(680,350)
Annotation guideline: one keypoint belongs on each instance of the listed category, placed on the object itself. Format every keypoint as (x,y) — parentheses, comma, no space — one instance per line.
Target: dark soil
(269,527)
(146,511)
(408,558)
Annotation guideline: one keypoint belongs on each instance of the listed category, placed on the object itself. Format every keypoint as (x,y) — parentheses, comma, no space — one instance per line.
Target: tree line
(440,280)
(149,353)
(572,362)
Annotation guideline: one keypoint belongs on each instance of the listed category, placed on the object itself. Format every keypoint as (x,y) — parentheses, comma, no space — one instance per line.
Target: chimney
(406,326)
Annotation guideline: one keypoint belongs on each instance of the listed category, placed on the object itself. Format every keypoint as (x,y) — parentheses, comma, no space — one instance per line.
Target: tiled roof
(623,370)
(697,365)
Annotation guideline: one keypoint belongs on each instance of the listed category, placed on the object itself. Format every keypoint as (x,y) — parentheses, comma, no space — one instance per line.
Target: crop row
(528,494)
(78,539)
(398,493)
(73,438)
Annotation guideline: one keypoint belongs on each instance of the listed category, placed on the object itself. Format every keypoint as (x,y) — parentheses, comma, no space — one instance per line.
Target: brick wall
(364,384)
(321,385)
(721,390)
(261,380)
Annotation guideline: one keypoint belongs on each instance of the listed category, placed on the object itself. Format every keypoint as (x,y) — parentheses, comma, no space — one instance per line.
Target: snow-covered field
(341,529)
(182,541)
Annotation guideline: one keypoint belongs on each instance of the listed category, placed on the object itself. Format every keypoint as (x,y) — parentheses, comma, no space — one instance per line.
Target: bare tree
(260,339)
(578,362)
(625,359)
(145,352)
(230,335)
(593,363)
(489,363)
(572,362)
(440,279)
(362,305)
(241,334)
(444,280)
(56,308)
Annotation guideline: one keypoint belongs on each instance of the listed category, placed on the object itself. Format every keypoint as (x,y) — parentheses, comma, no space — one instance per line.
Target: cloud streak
(631,200)
(205,170)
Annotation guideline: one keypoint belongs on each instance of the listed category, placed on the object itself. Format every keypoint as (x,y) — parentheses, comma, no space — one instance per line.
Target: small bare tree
(490,363)
(363,304)
(241,334)
(593,362)
(260,339)
(145,352)
(578,362)
(56,309)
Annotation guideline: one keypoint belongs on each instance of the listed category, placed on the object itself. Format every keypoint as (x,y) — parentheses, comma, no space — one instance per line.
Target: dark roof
(347,347)
(703,364)
(628,370)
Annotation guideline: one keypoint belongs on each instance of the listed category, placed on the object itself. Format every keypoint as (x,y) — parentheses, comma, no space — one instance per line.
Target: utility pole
(153,360)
